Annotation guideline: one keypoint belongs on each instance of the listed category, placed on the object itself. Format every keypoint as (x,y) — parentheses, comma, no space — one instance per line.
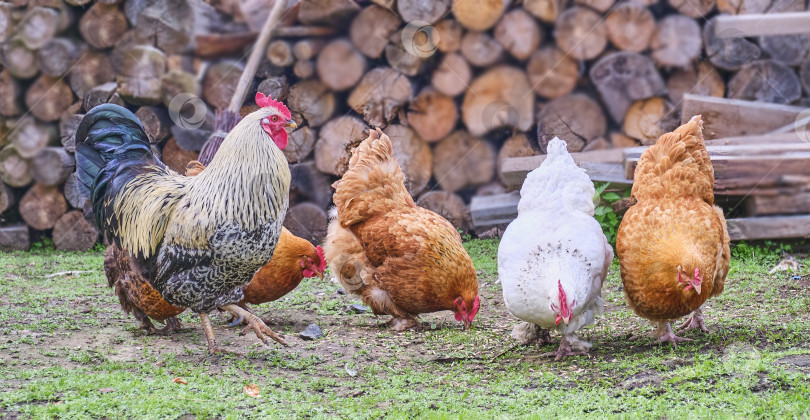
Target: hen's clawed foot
(564,350)
(402,324)
(665,335)
(254,323)
(695,321)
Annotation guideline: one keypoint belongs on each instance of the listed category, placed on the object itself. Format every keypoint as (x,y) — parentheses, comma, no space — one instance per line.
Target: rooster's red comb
(319,250)
(267,101)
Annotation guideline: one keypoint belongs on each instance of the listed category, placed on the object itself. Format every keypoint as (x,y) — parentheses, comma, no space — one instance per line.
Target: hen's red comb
(266,101)
(319,250)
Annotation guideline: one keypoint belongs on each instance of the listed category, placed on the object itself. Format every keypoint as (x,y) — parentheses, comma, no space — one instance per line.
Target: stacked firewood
(459,86)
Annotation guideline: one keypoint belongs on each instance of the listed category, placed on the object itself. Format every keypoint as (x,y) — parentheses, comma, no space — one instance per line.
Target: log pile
(461,87)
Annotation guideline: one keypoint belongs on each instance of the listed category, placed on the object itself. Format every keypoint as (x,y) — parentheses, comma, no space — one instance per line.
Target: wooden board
(515,169)
(753,228)
(734,117)
(759,24)
(492,210)
(500,209)
(765,205)
(742,169)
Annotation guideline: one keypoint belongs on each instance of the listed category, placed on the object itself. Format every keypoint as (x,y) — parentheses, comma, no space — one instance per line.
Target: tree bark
(676,42)
(340,66)
(576,119)
(312,101)
(336,140)
(41,207)
(48,97)
(15,170)
(765,81)
(380,95)
(581,32)
(630,27)
(413,155)
(462,161)
(623,78)
(52,166)
(518,33)
(480,49)
(552,74)
(432,115)
(648,119)
(498,98)
(478,15)
(73,233)
(371,30)
(14,238)
(452,75)
(10,93)
(103,25)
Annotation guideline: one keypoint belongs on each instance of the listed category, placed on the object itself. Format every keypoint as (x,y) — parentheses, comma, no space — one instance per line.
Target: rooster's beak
(291,124)
(467,324)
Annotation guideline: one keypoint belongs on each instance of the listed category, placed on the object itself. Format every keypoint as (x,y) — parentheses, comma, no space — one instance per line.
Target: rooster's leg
(173,325)
(254,323)
(567,344)
(695,321)
(213,348)
(665,335)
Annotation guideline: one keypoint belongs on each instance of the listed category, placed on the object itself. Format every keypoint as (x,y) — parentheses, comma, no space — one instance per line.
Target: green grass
(66,350)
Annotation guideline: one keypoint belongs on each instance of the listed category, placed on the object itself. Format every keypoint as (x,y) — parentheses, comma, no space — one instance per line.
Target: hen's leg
(173,325)
(570,345)
(695,321)
(402,324)
(254,323)
(665,335)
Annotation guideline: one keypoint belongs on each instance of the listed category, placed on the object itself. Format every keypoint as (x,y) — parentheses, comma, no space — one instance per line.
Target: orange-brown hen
(402,259)
(673,245)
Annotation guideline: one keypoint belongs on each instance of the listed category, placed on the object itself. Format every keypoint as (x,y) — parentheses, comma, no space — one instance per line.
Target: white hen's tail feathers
(558,185)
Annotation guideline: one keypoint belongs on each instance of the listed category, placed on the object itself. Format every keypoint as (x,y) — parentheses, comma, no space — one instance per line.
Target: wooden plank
(14,238)
(756,162)
(784,137)
(515,169)
(761,24)
(762,205)
(753,228)
(492,210)
(734,117)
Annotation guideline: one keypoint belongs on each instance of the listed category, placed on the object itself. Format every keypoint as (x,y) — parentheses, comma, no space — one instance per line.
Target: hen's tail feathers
(558,184)
(677,165)
(111,145)
(374,183)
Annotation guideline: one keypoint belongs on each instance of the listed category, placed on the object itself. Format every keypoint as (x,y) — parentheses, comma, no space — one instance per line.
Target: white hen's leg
(695,321)
(570,345)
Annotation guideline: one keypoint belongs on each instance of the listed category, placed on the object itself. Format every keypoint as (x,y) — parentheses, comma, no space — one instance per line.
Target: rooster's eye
(274,118)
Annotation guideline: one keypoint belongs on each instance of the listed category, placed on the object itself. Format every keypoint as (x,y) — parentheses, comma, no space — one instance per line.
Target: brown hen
(401,259)
(673,245)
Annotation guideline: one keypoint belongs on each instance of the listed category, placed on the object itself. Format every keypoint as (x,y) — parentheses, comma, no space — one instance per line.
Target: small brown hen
(673,245)
(401,259)
(293,260)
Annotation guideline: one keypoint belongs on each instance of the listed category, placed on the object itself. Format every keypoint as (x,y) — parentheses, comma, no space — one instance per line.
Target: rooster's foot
(665,335)
(695,321)
(566,350)
(543,338)
(235,321)
(402,324)
(262,331)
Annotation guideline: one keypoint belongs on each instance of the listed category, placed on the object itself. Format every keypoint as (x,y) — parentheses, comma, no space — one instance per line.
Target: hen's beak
(291,124)
(467,324)
(697,288)
(320,276)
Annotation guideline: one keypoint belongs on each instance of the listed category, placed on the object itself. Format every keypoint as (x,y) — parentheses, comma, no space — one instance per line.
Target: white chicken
(553,258)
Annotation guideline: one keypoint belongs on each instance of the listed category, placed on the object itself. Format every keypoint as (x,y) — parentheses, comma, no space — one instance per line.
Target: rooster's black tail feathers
(111,147)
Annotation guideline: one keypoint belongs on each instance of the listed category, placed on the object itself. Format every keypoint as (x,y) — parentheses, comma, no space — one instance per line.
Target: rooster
(554,257)
(673,244)
(293,260)
(197,239)
(401,259)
